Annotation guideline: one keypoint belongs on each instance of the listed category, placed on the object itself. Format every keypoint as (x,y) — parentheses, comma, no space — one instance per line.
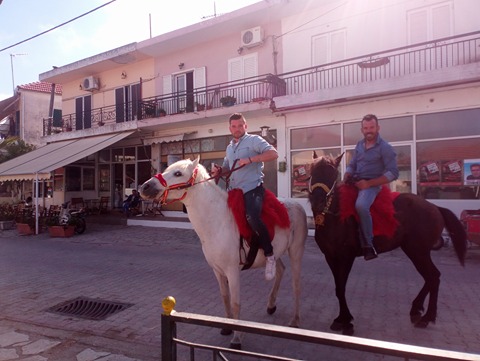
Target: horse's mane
(318,166)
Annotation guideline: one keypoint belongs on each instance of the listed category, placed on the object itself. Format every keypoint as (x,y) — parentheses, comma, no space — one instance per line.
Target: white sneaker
(270,268)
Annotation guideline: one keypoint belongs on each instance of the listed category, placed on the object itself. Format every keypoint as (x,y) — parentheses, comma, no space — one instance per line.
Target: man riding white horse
(246,154)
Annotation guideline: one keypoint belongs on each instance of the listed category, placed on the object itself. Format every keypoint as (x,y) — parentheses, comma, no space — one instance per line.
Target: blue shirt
(251,175)
(374,162)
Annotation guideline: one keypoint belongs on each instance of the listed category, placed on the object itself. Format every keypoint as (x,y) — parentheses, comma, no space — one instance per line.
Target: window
(83,113)
(330,47)
(429,23)
(79,179)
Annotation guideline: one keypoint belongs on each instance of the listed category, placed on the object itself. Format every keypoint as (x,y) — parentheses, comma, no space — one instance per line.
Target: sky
(118,23)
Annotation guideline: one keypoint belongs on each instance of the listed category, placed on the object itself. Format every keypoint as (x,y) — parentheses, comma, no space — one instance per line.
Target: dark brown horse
(420,224)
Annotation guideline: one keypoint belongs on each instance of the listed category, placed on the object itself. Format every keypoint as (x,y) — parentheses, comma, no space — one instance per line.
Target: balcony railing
(398,62)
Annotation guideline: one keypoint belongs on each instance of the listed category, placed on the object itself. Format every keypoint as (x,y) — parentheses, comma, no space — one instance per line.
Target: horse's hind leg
(430,273)
(272,297)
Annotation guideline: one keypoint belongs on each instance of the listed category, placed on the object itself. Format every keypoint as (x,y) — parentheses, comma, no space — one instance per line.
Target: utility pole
(11,63)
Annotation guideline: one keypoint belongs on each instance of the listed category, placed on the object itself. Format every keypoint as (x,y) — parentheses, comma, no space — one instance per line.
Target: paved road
(142,265)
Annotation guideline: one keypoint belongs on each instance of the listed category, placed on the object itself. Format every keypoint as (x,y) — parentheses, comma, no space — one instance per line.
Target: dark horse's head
(323,176)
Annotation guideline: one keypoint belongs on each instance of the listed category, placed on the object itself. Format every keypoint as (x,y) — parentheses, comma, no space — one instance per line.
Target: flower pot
(61,231)
(4,225)
(24,229)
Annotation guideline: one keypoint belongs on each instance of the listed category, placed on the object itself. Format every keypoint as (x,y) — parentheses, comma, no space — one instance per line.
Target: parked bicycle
(77,217)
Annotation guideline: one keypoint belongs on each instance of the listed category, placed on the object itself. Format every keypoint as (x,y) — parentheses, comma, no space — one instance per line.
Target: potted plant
(228,101)
(25,223)
(200,107)
(7,216)
(57,229)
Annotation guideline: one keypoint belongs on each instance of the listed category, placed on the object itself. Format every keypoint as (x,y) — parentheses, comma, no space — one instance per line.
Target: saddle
(382,210)
(274,213)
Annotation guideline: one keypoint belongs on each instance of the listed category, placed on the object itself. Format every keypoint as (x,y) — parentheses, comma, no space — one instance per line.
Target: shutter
(250,65)
(441,21)
(320,50)
(78,112)
(167,85)
(119,106)
(338,46)
(417,26)
(200,83)
(57,117)
(87,112)
(235,69)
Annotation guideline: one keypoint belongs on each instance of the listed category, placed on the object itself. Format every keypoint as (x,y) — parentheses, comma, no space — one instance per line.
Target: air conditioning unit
(90,83)
(252,37)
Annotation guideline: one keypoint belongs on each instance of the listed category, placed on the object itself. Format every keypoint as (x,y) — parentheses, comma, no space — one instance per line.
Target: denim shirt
(374,162)
(251,175)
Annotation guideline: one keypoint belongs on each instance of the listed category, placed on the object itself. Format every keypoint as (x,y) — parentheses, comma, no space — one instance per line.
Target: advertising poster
(471,171)
(429,173)
(452,172)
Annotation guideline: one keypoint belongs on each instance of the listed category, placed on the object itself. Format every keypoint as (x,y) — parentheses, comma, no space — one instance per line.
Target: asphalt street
(141,265)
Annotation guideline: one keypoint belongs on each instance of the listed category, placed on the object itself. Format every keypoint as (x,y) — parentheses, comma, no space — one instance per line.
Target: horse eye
(177,173)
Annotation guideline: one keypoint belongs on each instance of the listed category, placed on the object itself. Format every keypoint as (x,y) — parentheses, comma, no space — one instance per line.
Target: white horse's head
(173,184)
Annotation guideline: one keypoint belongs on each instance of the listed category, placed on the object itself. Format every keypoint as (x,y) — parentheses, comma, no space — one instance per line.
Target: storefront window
(448,124)
(391,129)
(444,167)
(301,169)
(324,136)
(88,181)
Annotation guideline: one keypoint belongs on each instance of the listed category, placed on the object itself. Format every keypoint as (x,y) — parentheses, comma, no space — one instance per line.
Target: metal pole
(11,64)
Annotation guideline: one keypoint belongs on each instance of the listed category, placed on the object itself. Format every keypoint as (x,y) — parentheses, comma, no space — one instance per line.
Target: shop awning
(39,164)
(164,139)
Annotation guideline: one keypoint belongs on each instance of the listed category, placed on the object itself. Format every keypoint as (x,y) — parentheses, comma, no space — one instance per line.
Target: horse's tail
(457,233)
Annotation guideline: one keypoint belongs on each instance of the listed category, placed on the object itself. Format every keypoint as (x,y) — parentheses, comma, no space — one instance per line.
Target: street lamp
(11,63)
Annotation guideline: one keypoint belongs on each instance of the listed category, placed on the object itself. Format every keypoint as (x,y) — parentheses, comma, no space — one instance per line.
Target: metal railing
(402,351)
(403,61)
(398,62)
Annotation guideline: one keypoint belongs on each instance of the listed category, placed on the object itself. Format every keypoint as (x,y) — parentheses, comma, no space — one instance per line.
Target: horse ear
(339,159)
(314,156)
(196,161)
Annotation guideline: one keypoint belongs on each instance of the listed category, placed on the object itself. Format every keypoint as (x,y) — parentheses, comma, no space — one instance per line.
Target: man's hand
(216,170)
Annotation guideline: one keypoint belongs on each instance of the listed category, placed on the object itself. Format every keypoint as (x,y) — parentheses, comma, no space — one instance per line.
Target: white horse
(214,224)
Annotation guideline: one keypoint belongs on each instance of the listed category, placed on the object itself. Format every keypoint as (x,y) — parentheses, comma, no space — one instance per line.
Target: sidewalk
(142,265)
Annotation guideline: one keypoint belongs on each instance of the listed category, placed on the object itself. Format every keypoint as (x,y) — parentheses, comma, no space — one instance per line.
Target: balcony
(426,65)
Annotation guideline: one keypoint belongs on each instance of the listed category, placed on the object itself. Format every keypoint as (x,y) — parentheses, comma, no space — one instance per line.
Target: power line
(56,27)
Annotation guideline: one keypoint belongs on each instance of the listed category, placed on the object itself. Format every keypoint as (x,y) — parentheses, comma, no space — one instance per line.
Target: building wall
(34,107)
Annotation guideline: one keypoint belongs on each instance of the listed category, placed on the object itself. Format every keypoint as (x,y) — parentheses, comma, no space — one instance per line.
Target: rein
(186,185)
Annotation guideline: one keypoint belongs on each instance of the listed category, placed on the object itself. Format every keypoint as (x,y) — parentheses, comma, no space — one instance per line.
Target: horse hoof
(336,326)
(271,310)
(415,318)
(235,346)
(225,332)
(348,330)
(421,323)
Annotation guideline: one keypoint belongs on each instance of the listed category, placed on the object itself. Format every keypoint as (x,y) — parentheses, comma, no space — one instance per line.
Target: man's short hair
(236,116)
(369,117)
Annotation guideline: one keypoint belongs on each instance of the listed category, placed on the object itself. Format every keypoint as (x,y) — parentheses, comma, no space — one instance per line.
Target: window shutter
(235,71)
(250,65)
(320,50)
(417,26)
(167,84)
(338,45)
(441,21)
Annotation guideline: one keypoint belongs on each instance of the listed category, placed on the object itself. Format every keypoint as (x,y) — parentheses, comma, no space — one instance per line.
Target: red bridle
(184,185)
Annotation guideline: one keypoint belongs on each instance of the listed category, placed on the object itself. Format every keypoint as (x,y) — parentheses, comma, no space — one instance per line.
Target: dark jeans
(253,209)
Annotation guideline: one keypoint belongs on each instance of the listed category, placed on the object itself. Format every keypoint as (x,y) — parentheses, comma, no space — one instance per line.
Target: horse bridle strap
(320,218)
(184,185)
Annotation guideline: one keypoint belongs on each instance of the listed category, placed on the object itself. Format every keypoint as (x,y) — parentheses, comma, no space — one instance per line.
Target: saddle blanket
(274,213)
(382,210)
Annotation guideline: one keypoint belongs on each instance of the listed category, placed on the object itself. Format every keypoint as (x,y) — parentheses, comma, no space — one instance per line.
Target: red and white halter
(185,185)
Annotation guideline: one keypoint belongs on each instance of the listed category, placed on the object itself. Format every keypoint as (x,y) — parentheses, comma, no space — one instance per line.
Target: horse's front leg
(225,293)
(341,270)
(234,287)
